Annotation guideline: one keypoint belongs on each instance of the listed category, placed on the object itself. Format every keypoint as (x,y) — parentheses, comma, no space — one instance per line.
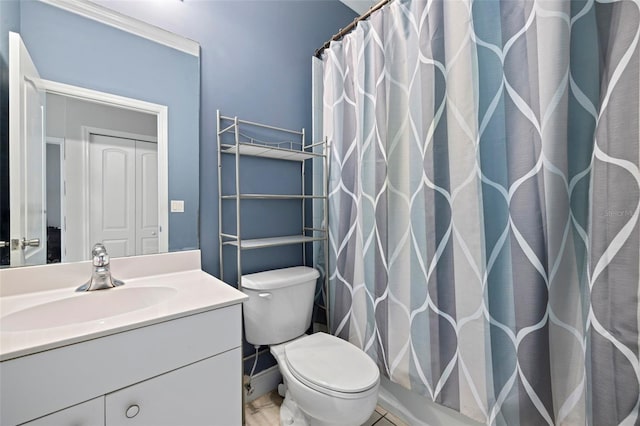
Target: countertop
(195,292)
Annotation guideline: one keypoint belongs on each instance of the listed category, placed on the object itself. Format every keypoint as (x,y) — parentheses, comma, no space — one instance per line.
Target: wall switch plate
(177,206)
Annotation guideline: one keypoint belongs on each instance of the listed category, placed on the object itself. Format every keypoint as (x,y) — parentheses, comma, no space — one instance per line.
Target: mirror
(102,180)
(81,52)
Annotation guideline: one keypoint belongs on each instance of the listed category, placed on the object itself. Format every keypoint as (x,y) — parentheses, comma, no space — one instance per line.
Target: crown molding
(126,23)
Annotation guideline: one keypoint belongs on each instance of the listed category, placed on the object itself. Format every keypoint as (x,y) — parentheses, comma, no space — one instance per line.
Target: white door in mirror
(26,158)
(123,195)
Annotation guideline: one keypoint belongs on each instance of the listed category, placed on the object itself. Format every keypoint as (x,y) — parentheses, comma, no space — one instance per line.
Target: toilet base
(290,413)
(305,406)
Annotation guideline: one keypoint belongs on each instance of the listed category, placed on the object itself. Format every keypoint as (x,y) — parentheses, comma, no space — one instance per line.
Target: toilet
(327,381)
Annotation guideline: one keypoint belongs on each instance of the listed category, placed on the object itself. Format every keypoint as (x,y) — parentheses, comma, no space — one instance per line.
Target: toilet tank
(280,304)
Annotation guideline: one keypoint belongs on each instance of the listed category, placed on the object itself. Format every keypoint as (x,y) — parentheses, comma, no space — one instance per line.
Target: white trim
(162,138)
(263,383)
(86,196)
(15,138)
(126,23)
(100,97)
(163,178)
(121,134)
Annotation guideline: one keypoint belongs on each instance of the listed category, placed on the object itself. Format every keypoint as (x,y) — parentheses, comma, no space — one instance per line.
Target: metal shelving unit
(289,150)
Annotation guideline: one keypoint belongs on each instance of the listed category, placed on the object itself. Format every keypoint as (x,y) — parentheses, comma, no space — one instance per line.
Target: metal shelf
(273,197)
(257,243)
(265,151)
(245,138)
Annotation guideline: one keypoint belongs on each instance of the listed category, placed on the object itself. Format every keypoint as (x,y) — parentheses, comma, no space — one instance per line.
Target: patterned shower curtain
(484,202)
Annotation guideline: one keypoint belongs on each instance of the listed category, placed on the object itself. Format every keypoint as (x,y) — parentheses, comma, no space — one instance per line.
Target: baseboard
(263,383)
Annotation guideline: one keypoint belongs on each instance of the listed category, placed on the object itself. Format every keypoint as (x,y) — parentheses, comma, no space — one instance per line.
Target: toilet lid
(325,362)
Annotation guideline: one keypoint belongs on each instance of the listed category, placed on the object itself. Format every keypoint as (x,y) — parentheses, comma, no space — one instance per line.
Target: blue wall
(255,63)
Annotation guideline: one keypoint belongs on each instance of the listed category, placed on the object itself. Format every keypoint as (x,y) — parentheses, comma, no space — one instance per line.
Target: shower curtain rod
(346,30)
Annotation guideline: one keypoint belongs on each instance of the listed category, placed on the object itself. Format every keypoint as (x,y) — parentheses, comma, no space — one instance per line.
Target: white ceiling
(359,6)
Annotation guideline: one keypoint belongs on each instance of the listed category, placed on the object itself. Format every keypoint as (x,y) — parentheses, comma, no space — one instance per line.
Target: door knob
(4,244)
(34,242)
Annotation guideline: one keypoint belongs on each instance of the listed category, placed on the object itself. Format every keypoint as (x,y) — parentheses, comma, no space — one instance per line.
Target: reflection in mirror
(97,49)
(106,177)
(101,179)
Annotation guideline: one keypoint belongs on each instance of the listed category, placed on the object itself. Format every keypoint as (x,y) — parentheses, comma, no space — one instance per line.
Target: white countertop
(195,292)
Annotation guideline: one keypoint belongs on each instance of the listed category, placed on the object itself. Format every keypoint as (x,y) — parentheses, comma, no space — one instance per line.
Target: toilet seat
(331,365)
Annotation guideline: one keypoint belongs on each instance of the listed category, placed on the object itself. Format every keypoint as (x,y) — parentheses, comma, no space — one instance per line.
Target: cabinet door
(207,392)
(90,413)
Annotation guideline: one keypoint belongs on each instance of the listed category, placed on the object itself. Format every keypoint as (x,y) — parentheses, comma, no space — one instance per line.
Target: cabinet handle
(132,411)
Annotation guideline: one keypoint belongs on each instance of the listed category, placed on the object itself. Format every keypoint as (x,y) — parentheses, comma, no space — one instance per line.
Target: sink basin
(84,307)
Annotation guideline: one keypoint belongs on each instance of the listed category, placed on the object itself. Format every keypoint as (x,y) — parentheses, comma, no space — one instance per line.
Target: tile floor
(264,411)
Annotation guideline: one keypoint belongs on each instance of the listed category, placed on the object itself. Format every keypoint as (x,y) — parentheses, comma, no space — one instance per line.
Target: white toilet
(328,381)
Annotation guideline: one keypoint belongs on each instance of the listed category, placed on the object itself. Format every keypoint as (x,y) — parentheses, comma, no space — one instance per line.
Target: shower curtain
(484,195)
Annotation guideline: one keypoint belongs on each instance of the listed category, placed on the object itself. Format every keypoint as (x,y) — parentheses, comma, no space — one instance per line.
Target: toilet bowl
(327,381)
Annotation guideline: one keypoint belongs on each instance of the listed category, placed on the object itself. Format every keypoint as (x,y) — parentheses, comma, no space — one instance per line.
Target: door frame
(162,138)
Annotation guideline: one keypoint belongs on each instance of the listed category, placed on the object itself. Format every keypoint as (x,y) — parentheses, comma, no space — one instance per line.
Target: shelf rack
(289,150)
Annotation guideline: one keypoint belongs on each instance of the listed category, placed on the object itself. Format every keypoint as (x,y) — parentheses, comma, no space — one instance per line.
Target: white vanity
(164,349)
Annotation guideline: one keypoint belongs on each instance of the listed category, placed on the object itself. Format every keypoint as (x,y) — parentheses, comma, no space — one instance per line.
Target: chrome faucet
(101,276)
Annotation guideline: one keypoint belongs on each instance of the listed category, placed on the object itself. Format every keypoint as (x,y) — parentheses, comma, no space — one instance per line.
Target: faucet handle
(101,277)
(97,249)
(101,259)
(100,255)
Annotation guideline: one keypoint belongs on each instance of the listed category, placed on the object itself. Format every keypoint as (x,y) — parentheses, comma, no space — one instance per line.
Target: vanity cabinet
(89,413)
(197,394)
(183,371)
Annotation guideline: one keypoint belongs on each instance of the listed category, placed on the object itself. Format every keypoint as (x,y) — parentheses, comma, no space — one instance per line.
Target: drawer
(90,413)
(207,392)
